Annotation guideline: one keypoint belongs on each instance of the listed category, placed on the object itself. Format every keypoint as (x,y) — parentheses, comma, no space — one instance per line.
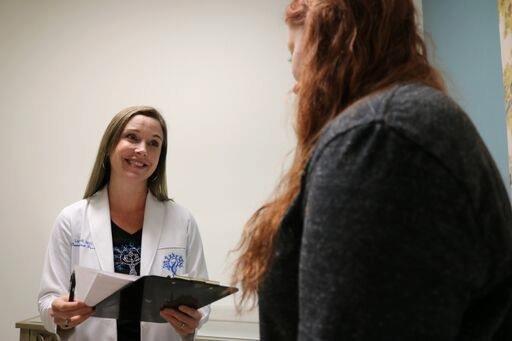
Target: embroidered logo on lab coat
(173,262)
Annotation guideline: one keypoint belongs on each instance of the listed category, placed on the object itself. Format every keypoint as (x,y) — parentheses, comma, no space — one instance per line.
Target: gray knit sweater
(402,231)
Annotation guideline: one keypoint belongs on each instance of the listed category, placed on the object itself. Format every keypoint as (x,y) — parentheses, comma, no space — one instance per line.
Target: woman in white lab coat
(125,223)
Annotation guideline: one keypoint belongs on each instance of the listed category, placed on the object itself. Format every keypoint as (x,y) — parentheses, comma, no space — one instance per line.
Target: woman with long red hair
(392,222)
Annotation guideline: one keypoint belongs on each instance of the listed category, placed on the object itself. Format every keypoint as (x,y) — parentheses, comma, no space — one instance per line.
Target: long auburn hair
(350,49)
(100,175)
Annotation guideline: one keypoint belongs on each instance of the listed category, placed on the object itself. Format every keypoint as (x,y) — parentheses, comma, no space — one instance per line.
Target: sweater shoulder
(419,112)
(425,116)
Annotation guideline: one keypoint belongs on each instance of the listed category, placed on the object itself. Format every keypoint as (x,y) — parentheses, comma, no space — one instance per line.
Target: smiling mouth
(135,163)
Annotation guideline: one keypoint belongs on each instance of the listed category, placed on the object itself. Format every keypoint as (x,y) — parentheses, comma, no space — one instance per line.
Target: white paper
(93,286)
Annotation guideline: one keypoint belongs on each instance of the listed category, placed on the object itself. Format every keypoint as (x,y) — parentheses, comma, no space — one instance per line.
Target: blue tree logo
(172,263)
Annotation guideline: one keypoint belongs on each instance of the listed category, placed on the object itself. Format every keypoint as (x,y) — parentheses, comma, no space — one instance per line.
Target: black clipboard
(143,299)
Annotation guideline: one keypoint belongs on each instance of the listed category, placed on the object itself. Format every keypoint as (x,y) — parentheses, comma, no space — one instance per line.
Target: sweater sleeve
(389,249)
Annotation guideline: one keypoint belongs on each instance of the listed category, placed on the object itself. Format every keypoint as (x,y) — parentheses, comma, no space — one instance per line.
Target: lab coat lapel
(152,229)
(101,230)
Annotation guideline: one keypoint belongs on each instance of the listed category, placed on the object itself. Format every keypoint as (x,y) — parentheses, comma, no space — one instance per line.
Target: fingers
(194,313)
(68,323)
(61,304)
(184,324)
(180,327)
(185,318)
(69,314)
(76,320)
(72,312)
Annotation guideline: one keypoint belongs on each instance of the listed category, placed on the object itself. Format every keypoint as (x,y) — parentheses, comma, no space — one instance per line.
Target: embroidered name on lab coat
(83,243)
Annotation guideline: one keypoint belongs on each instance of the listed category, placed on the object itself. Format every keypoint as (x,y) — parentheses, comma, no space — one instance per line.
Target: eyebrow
(138,131)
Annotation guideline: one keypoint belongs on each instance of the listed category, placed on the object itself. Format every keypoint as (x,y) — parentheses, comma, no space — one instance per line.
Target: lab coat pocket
(172,261)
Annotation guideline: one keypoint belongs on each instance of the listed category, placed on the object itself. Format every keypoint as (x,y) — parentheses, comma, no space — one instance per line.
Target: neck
(126,197)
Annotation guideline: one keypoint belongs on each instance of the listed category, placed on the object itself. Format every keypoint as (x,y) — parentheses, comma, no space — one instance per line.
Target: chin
(130,177)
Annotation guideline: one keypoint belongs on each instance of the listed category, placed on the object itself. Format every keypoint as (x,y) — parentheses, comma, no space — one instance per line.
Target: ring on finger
(182,324)
(66,323)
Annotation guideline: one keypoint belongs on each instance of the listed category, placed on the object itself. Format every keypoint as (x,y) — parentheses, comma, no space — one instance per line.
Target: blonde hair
(100,174)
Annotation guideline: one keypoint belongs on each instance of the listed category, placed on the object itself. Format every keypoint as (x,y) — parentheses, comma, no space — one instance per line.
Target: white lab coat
(82,235)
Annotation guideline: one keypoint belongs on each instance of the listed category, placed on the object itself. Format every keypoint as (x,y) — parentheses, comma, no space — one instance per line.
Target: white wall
(217,70)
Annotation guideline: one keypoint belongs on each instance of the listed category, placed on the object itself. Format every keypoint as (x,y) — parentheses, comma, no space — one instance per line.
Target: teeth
(136,163)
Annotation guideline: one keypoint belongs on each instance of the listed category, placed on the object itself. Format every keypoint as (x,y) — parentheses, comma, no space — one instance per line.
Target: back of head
(352,48)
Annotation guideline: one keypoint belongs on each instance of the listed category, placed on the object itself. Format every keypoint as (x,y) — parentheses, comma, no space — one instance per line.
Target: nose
(140,149)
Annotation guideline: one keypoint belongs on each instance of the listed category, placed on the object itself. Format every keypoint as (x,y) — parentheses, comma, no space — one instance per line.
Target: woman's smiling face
(136,155)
